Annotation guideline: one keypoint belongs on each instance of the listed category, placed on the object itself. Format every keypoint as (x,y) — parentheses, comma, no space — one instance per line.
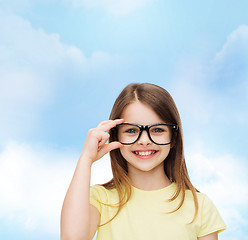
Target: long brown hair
(174,165)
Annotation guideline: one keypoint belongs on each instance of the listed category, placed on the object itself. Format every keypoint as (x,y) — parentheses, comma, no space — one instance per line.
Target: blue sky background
(63,63)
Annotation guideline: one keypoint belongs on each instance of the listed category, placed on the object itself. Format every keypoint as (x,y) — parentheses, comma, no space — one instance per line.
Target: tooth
(145,153)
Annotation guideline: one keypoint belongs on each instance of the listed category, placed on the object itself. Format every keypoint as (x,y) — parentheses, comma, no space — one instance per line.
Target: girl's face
(143,155)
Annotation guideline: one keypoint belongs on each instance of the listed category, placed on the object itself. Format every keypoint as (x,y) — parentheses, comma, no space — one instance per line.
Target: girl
(150,195)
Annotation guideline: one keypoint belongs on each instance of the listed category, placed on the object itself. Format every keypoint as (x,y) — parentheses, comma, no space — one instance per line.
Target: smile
(144,153)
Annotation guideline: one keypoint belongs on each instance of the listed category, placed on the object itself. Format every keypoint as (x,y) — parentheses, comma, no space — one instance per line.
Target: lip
(147,153)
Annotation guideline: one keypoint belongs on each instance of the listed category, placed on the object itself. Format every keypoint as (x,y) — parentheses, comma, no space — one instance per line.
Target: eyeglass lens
(160,134)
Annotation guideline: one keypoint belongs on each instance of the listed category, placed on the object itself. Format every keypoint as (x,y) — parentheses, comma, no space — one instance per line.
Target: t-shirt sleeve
(211,220)
(95,197)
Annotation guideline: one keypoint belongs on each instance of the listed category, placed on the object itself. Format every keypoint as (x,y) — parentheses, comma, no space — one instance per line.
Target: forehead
(140,113)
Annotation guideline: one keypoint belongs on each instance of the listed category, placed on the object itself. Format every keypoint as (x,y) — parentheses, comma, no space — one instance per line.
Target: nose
(144,139)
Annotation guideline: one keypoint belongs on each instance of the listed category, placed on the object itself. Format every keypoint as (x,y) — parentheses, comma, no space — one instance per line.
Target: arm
(211,236)
(79,219)
(75,215)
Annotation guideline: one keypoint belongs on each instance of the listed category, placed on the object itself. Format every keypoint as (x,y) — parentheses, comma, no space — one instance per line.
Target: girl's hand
(95,145)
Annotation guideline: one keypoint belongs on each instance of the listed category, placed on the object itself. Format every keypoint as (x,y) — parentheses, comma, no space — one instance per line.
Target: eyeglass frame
(145,128)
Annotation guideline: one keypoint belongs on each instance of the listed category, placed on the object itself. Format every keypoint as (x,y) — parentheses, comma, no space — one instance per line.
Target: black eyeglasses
(160,134)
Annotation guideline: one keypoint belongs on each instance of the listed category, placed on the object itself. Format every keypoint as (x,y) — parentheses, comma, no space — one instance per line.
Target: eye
(131,130)
(157,130)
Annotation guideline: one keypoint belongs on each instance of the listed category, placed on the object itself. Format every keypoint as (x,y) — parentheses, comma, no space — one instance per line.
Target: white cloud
(216,176)
(101,171)
(230,64)
(31,51)
(224,180)
(29,67)
(236,44)
(115,7)
(26,47)
(213,101)
(212,94)
(32,66)
(34,181)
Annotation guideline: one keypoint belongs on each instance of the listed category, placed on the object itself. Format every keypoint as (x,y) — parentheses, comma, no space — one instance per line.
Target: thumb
(109,147)
(114,145)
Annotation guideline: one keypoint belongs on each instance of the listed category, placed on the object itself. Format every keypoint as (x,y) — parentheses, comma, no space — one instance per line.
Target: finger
(103,123)
(104,138)
(110,124)
(109,147)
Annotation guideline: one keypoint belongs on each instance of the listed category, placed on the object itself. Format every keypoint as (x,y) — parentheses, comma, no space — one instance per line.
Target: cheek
(125,152)
(166,151)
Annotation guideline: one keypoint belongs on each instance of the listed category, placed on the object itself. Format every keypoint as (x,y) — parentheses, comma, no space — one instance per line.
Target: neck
(150,180)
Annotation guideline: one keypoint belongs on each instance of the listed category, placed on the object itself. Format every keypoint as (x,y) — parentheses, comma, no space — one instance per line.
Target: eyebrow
(147,124)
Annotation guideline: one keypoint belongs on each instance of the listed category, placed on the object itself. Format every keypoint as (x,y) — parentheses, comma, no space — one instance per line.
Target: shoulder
(205,202)
(202,198)
(199,195)
(99,196)
(98,190)
(101,193)
(210,218)
(101,188)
